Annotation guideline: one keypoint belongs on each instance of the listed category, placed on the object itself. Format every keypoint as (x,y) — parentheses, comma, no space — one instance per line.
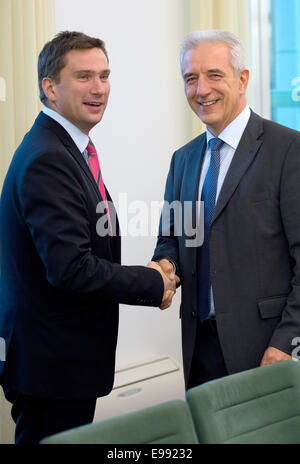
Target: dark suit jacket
(60,282)
(254,244)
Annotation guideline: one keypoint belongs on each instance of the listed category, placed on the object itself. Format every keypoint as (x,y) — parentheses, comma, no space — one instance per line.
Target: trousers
(37,418)
(208,361)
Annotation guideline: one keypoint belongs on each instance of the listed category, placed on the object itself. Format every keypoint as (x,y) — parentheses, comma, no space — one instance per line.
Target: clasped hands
(165,268)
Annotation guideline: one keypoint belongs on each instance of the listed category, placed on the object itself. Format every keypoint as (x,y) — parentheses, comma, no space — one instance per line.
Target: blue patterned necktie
(208,196)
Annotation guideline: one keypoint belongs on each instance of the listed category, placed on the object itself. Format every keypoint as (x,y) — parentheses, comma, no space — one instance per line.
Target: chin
(94,121)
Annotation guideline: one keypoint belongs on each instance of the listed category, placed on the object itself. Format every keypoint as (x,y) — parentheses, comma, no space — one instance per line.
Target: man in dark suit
(61,277)
(240,289)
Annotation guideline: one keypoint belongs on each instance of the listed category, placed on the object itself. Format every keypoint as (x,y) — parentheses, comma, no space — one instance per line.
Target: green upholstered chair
(261,405)
(166,423)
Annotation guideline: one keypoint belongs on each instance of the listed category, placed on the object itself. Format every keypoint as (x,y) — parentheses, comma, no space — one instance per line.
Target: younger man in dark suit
(61,277)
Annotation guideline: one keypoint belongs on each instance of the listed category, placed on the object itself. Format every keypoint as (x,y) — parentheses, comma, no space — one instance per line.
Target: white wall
(146,120)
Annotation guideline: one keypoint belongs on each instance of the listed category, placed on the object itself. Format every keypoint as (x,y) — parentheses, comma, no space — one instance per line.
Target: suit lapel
(68,142)
(192,170)
(245,153)
(190,188)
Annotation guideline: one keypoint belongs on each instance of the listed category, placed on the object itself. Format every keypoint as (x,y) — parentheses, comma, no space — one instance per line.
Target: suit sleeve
(167,242)
(55,209)
(289,327)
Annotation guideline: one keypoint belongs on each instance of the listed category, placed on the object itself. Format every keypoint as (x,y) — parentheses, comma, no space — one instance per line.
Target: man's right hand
(165,268)
(168,269)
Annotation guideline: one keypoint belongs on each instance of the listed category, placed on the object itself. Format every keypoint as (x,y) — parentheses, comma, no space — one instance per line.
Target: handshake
(165,268)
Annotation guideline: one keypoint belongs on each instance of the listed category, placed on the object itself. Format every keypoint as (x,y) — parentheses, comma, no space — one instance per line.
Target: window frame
(260,78)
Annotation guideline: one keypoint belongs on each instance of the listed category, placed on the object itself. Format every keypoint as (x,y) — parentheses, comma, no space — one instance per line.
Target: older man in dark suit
(61,277)
(240,288)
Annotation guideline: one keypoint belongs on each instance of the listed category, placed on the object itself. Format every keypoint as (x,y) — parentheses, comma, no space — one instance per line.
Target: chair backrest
(261,405)
(165,423)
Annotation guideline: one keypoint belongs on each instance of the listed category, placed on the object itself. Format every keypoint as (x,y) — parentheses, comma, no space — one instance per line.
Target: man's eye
(83,77)
(104,77)
(190,80)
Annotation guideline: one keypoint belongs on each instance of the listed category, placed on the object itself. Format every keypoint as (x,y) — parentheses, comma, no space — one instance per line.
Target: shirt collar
(79,138)
(232,133)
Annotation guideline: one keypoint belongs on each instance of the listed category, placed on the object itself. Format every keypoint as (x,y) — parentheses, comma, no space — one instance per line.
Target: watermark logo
(139,218)
(296,90)
(2,89)
(2,349)
(296,351)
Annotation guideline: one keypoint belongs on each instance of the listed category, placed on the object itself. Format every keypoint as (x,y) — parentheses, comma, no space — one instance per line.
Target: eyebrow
(218,71)
(209,71)
(189,74)
(90,71)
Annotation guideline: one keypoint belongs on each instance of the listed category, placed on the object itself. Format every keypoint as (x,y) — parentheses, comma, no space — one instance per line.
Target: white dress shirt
(231,137)
(80,139)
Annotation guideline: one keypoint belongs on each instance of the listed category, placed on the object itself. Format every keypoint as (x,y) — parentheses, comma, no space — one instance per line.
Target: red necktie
(96,171)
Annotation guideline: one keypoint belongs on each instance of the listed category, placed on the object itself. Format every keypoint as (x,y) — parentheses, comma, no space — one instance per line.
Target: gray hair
(238,58)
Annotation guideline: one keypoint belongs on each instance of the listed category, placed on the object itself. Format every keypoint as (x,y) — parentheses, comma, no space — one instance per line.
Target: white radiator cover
(141,385)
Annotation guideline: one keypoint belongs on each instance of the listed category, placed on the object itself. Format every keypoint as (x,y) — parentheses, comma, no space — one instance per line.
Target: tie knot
(216,144)
(91,148)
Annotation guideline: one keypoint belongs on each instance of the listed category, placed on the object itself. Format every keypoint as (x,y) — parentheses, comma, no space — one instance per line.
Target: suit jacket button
(193,314)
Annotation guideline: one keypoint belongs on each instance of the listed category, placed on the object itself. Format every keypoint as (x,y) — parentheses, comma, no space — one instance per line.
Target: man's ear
(244,79)
(48,86)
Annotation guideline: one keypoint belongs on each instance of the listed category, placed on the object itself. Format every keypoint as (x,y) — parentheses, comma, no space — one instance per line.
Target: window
(275,60)
(285,62)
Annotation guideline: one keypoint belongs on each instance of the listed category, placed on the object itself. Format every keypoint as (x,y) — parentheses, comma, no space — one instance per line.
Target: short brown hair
(51,59)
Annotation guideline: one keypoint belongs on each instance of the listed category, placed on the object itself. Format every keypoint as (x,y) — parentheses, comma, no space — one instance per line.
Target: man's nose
(202,87)
(97,86)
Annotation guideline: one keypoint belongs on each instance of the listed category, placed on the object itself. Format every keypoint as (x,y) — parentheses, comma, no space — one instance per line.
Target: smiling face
(215,92)
(82,90)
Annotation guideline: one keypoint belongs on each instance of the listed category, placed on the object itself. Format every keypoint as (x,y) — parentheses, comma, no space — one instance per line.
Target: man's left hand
(273,355)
